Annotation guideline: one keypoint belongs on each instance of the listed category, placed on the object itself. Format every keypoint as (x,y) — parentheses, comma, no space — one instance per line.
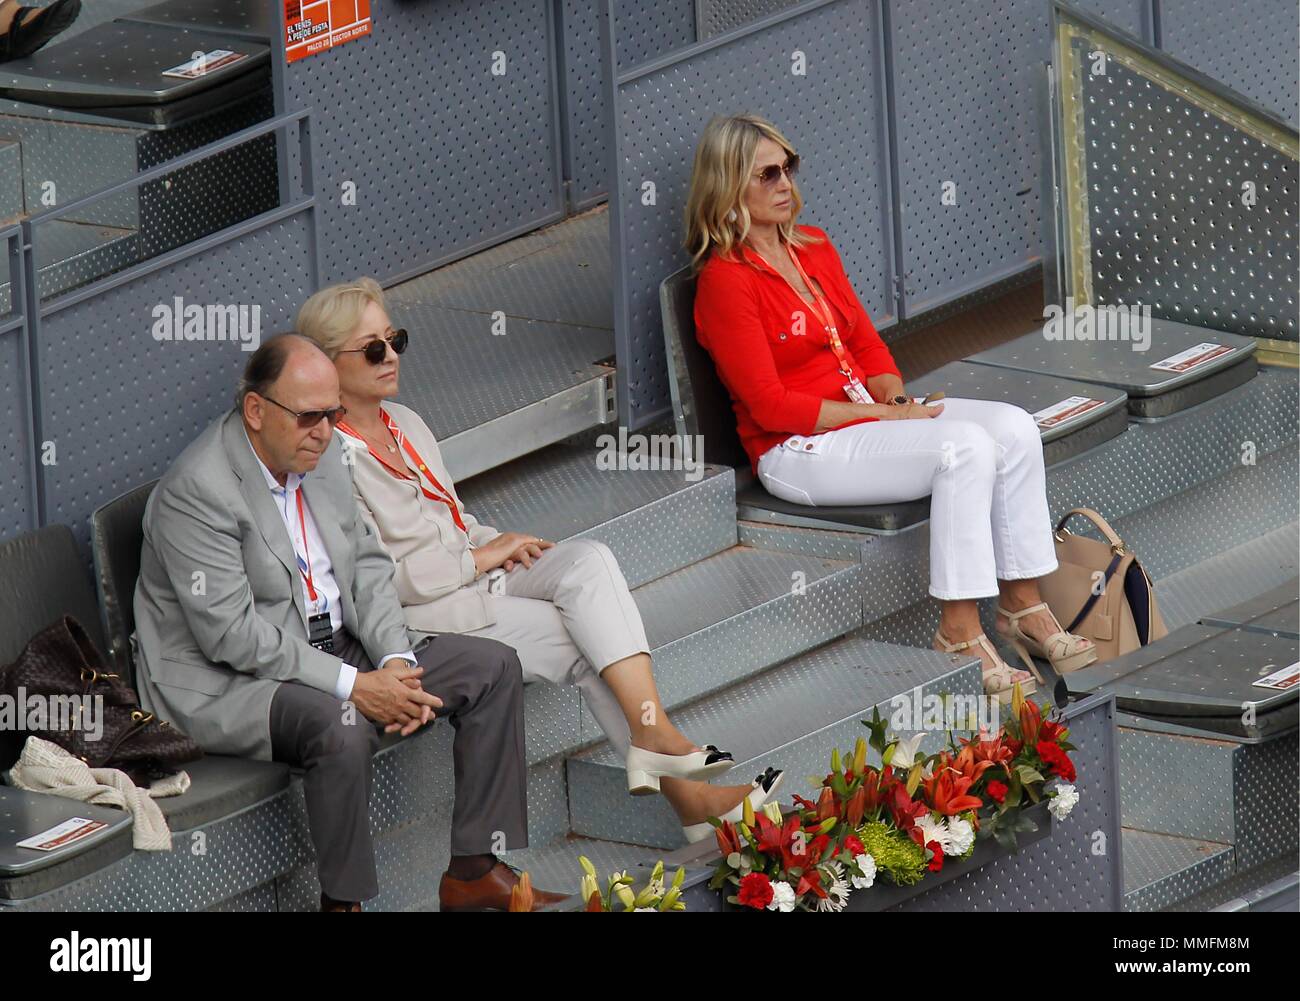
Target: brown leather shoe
(490,892)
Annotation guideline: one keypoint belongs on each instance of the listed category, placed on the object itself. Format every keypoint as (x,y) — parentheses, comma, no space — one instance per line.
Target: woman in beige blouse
(564,607)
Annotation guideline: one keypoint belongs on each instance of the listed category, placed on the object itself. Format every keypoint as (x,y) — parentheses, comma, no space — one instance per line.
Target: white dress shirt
(311,553)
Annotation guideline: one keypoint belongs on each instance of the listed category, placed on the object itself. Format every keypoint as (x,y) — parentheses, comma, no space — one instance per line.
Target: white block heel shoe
(765,787)
(646,768)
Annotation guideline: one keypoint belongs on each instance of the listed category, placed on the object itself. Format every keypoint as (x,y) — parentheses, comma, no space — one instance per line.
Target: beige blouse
(434,559)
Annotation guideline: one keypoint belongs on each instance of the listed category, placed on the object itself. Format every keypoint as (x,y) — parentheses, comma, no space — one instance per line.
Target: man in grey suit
(268,626)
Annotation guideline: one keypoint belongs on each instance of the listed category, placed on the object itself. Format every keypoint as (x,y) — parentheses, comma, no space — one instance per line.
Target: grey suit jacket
(219,610)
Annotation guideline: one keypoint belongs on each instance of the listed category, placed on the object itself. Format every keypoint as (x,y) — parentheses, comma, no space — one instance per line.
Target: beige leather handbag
(1100,590)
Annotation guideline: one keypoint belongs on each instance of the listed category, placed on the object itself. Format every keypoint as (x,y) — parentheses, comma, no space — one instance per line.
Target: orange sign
(312,26)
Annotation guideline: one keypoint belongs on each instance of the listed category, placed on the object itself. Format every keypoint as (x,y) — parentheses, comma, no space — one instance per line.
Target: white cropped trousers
(981,462)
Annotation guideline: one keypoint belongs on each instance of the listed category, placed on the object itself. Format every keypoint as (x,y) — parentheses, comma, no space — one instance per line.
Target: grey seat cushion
(221,786)
(877,517)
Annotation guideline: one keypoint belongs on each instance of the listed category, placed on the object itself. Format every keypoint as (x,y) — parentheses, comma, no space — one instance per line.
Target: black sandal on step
(22,39)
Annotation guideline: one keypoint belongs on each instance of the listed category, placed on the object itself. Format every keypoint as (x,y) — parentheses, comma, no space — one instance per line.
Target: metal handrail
(171,166)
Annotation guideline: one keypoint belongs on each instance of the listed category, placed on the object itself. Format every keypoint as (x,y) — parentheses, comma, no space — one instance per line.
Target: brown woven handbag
(63,670)
(1100,590)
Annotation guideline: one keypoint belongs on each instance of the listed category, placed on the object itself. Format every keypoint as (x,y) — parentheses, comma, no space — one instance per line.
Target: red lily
(1031,720)
(728,838)
(995,752)
(904,810)
(946,792)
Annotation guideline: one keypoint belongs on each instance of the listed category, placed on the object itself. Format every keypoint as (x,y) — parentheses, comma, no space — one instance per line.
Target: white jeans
(981,462)
(569,616)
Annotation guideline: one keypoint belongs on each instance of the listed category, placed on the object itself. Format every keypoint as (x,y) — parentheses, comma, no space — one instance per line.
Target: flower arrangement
(901,820)
(618,889)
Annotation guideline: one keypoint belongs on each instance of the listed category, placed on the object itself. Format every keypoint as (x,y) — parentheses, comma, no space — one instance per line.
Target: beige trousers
(569,616)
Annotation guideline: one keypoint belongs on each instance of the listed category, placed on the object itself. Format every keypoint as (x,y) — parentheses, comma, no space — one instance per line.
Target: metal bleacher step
(74,253)
(1273,886)
(710,624)
(512,346)
(788,717)
(654,521)
(1191,783)
(1160,870)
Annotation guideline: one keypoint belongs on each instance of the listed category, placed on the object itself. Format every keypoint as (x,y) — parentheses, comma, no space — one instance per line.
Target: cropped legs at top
(981,462)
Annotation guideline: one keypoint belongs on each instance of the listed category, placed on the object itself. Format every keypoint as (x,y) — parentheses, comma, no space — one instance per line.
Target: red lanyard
(439,492)
(822,308)
(304,563)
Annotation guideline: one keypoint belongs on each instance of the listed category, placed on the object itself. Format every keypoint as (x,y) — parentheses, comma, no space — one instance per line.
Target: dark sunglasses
(376,351)
(308,419)
(769,174)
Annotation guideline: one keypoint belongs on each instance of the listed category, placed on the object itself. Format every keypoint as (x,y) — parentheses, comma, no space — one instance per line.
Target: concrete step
(1160,870)
(789,717)
(655,521)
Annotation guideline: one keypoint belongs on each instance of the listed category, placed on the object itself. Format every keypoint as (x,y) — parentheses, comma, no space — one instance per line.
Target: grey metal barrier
(125,371)
(1175,192)
(18,485)
(714,17)
(436,135)
(816,70)
(1251,47)
(964,84)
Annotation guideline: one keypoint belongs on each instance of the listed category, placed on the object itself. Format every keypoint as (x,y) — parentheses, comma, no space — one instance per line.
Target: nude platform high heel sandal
(1066,652)
(999,680)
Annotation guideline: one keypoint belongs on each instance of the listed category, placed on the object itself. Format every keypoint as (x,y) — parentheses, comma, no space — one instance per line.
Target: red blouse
(744,317)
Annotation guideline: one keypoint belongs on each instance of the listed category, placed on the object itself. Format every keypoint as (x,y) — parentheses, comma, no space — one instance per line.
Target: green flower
(897,856)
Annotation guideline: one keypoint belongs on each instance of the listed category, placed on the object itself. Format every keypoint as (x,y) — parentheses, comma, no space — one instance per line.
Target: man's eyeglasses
(769,174)
(308,419)
(377,350)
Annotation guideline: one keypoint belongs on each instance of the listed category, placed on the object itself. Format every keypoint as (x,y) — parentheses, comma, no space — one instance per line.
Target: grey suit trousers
(481,686)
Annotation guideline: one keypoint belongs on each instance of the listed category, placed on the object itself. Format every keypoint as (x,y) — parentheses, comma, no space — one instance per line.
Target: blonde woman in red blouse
(825,419)
(565,607)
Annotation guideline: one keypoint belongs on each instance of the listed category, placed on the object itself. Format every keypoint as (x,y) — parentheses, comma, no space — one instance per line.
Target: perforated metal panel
(585,109)
(658,117)
(966,79)
(1250,47)
(646,29)
(713,17)
(1166,216)
(148,398)
(1178,193)
(17,486)
(1078,868)
(445,156)
(967,149)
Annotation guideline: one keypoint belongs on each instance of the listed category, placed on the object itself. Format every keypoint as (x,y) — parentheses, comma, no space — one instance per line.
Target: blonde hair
(716,217)
(333,314)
